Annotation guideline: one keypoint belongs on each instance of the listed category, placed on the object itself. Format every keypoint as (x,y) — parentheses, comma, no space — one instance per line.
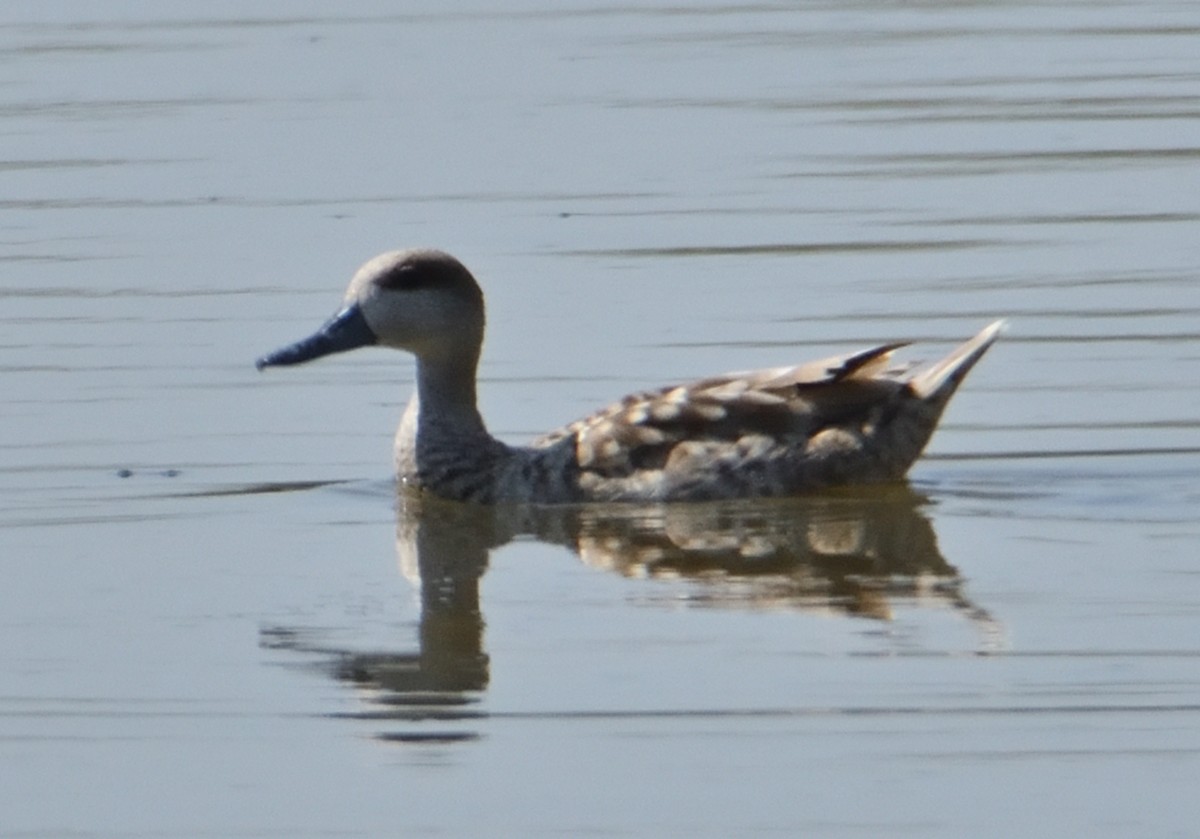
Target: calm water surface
(216,617)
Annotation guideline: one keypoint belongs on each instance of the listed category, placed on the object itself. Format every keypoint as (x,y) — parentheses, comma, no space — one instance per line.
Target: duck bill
(347,330)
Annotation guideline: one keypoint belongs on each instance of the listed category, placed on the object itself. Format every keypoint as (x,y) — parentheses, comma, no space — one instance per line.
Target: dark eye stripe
(403,278)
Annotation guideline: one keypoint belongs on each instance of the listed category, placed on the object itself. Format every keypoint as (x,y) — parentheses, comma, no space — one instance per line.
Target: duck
(850,419)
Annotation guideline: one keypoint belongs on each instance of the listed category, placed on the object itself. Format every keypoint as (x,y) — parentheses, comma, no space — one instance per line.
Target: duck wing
(784,404)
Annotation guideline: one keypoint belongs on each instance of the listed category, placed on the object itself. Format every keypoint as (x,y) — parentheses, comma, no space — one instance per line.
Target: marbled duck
(850,419)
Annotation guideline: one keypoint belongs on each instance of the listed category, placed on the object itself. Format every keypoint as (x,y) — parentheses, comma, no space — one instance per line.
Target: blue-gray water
(210,622)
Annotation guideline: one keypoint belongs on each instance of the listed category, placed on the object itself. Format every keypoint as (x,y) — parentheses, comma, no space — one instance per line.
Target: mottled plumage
(783,431)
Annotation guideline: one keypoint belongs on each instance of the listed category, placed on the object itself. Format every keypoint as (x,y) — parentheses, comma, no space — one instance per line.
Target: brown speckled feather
(640,431)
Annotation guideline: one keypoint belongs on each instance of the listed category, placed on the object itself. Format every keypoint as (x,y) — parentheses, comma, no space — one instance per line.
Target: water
(209,620)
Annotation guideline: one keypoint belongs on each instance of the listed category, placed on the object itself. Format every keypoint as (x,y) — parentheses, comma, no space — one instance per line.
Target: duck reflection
(851,554)
(855,553)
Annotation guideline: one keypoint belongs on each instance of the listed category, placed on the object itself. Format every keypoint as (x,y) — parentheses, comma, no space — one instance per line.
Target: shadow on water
(853,553)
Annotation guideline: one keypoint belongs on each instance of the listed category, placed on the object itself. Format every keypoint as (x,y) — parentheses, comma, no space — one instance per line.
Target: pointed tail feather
(941,379)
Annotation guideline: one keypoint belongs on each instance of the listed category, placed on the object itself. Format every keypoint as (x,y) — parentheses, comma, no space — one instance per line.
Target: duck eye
(402,278)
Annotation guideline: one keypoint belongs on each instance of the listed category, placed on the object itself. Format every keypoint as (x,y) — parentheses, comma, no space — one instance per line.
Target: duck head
(422,301)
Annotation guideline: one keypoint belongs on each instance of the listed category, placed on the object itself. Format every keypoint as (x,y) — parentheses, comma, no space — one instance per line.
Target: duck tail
(938,382)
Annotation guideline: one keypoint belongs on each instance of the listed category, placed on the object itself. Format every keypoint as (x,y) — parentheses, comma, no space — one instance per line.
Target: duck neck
(442,444)
(445,400)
